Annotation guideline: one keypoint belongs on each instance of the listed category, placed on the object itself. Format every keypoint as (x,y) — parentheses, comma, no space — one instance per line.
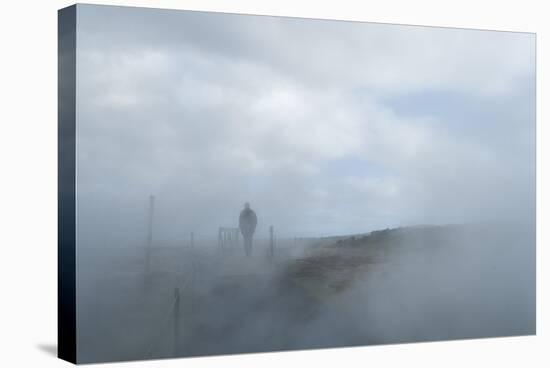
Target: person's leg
(247,245)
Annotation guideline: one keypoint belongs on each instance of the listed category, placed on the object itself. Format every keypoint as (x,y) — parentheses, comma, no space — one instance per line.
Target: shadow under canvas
(50,349)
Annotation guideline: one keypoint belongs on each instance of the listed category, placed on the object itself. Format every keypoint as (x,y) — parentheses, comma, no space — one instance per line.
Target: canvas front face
(252,183)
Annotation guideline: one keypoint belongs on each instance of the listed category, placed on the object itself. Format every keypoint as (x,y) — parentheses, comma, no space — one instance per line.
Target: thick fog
(328,129)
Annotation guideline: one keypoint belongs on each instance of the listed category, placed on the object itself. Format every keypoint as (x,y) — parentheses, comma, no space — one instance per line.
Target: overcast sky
(325,127)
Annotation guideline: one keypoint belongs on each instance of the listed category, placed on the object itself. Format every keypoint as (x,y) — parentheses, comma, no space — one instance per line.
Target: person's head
(247,205)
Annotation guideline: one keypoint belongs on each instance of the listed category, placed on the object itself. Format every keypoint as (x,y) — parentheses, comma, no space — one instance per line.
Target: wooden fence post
(176,321)
(150,233)
(271,242)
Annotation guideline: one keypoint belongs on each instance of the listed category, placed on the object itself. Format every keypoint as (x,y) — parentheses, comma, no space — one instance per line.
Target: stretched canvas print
(238,183)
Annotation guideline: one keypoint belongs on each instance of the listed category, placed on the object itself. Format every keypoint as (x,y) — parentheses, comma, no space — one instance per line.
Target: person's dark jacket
(247,222)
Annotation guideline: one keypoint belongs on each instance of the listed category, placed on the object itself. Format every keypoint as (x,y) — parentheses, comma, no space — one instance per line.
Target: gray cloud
(208,110)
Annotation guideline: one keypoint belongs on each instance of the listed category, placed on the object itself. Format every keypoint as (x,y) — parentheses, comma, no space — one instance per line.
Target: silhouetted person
(247,224)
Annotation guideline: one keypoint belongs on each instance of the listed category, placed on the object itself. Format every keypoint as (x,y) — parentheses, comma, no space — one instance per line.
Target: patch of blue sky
(471,115)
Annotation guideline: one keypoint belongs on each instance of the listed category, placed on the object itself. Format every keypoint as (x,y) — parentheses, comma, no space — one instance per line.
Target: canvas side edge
(66,268)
